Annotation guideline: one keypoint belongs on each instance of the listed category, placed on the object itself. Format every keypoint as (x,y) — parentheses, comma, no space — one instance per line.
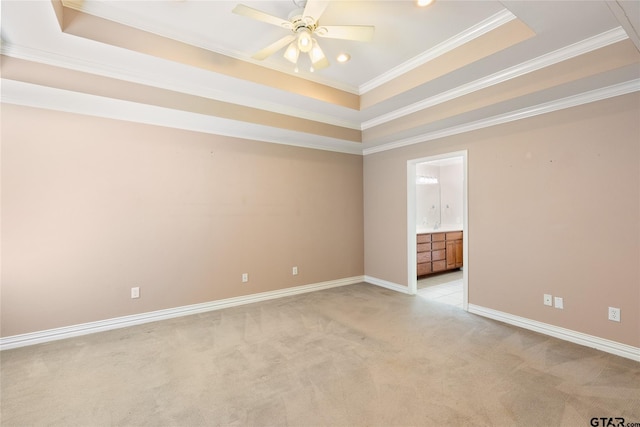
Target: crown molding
(32,95)
(585,46)
(456,41)
(625,17)
(535,110)
(106,9)
(20,93)
(156,79)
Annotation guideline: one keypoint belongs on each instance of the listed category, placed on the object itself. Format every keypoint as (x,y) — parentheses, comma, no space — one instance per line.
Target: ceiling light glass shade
(292,53)
(316,54)
(304,40)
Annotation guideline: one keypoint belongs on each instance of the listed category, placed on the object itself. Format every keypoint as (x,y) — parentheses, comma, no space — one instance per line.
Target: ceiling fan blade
(315,8)
(363,33)
(274,47)
(258,15)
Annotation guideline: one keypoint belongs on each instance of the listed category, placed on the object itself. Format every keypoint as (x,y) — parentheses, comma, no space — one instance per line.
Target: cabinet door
(456,235)
(458,253)
(423,238)
(438,245)
(438,255)
(439,265)
(451,254)
(424,268)
(423,247)
(424,257)
(438,237)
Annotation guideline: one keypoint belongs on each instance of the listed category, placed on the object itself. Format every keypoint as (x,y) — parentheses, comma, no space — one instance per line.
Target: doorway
(435,208)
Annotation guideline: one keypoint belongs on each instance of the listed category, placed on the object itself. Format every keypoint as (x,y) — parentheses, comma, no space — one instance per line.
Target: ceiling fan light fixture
(424,3)
(292,52)
(303,26)
(304,40)
(316,54)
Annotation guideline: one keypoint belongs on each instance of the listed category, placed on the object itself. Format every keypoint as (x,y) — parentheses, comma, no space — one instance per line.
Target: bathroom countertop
(446,229)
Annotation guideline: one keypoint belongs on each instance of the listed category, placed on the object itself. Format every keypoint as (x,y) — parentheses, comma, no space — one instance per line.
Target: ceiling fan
(303,26)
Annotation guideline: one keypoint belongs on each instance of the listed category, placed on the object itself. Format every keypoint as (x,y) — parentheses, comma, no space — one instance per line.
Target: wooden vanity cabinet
(438,252)
(424,254)
(454,250)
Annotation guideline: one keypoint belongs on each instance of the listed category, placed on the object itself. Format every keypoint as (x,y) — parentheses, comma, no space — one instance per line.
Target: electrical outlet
(547,300)
(294,271)
(614,314)
(245,277)
(135,292)
(558,302)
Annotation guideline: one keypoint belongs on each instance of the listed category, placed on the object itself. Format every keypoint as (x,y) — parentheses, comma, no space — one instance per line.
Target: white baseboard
(386,284)
(32,338)
(605,345)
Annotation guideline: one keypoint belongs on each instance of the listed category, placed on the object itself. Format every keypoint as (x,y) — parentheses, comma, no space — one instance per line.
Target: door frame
(411,222)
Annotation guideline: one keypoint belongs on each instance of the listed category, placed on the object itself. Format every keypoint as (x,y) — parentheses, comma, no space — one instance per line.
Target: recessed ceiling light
(423,3)
(343,57)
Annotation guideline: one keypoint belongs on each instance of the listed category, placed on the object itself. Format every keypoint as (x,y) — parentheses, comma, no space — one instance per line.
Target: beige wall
(554,207)
(92,207)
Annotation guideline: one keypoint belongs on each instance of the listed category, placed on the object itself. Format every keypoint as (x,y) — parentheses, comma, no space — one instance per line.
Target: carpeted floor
(357,355)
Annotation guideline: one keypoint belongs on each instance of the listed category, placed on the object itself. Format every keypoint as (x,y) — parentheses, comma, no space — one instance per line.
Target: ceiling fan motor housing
(304,28)
(299,21)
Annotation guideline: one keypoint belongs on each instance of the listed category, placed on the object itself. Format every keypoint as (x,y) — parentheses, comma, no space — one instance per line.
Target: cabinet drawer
(438,237)
(438,245)
(424,238)
(456,235)
(439,265)
(423,247)
(424,256)
(424,268)
(438,255)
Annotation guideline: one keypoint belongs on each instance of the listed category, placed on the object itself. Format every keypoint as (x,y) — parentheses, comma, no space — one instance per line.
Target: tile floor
(445,288)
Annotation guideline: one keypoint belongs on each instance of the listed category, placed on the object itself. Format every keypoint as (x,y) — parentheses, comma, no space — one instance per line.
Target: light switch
(558,303)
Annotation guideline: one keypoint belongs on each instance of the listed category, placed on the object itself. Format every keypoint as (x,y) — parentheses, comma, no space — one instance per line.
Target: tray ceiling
(428,72)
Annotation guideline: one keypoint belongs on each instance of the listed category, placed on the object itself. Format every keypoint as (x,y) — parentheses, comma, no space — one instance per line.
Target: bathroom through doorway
(437,228)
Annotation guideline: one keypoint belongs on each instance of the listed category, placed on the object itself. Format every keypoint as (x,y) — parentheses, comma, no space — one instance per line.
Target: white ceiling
(403,30)
(406,36)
